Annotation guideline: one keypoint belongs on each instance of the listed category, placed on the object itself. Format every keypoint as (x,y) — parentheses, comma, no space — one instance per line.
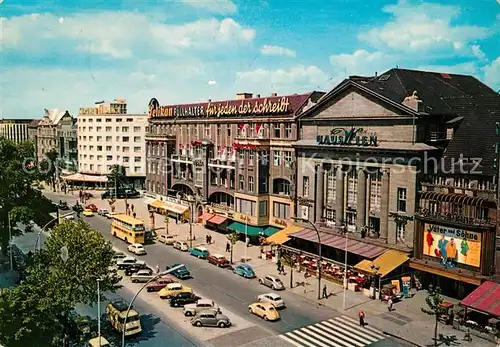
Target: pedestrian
(325,294)
(278,266)
(132,208)
(228,246)
(207,239)
(157,268)
(389,304)
(361,316)
(283,269)
(134,214)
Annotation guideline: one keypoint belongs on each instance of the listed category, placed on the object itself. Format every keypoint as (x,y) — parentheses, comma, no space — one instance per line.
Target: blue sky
(69,54)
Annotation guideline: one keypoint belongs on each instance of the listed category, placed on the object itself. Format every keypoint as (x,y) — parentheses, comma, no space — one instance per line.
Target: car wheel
(250,310)
(221,325)
(114,234)
(198,324)
(265,317)
(261,281)
(126,240)
(188,314)
(149,290)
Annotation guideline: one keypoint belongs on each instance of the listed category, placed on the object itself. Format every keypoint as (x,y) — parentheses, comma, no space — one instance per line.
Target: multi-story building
(15,129)
(108,136)
(362,152)
(56,131)
(235,156)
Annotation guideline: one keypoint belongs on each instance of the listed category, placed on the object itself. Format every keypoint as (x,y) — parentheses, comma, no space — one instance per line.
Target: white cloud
(277,50)
(213,6)
(478,53)
(361,62)
(492,74)
(423,28)
(119,34)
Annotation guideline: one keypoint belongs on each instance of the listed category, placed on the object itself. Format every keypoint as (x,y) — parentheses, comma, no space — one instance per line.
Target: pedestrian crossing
(341,331)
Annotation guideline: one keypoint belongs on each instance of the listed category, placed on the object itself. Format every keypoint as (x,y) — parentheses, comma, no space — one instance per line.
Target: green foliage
(290,260)
(233,238)
(77,208)
(116,176)
(48,167)
(434,308)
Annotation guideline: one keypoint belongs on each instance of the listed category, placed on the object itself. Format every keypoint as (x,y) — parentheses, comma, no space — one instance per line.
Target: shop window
(246,207)
(263,208)
(281,210)
(402,199)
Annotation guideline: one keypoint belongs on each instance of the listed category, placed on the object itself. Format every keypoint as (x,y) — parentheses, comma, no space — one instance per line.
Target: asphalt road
(225,288)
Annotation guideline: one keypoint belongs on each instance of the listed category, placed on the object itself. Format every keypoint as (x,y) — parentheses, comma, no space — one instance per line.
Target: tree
(434,301)
(77,208)
(48,166)
(233,238)
(289,259)
(116,176)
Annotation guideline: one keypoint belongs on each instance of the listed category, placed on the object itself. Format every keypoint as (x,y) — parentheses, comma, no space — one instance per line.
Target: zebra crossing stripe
(330,338)
(289,340)
(304,342)
(366,327)
(347,333)
(366,330)
(339,335)
(324,339)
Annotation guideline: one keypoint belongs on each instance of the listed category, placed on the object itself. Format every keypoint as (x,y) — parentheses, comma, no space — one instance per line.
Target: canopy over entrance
(78,177)
(386,262)
(486,299)
(251,230)
(282,236)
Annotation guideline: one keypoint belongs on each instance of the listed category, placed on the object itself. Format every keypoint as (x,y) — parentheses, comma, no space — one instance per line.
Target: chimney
(257,96)
(274,94)
(414,102)
(376,73)
(242,96)
(209,100)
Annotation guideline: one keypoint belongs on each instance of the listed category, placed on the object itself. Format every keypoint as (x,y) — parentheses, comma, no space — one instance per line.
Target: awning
(169,206)
(206,216)
(486,299)
(355,247)
(282,236)
(78,177)
(158,204)
(241,228)
(217,220)
(270,230)
(436,268)
(387,261)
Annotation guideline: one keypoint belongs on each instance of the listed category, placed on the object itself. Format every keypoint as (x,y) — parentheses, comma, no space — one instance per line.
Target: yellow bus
(129,229)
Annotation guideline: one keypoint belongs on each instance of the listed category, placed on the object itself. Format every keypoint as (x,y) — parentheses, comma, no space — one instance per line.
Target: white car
(136,248)
(201,305)
(272,298)
(102,212)
(181,246)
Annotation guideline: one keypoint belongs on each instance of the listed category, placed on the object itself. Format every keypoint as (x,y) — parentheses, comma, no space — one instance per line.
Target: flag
(223,153)
(233,154)
(258,129)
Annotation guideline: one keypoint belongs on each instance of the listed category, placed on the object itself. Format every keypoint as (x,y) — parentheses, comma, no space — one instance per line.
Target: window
(109,157)
(99,148)
(117,129)
(251,185)
(125,129)
(126,149)
(400,231)
(137,149)
(242,182)
(330,217)
(91,138)
(99,138)
(277,130)
(229,130)
(108,129)
(218,129)
(108,120)
(125,159)
(375,190)
(305,186)
(251,158)
(281,210)
(288,130)
(91,148)
(99,157)
(92,167)
(277,158)
(137,169)
(108,148)
(117,148)
(207,130)
(125,138)
(118,120)
(281,187)
(137,139)
(263,157)
(90,120)
(98,120)
(91,128)
(246,207)
(263,208)
(288,159)
(91,157)
(99,128)
(130,119)
(242,158)
(137,159)
(198,178)
(352,187)
(331,185)
(137,129)
(402,199)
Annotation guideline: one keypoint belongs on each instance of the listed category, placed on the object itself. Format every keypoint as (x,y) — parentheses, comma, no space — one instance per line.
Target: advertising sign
(452,245)
(406,284)
(347,137)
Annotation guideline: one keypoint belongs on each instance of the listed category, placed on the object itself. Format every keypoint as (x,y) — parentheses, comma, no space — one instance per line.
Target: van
(95,342)
(199,252)
(116,312)
(166,239)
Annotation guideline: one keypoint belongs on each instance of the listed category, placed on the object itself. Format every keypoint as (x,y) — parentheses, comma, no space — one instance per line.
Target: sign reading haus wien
(347,137)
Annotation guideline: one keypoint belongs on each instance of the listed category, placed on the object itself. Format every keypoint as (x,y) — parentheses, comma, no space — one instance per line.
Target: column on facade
(361,200)
(384,204)
(339,196)
(320,198)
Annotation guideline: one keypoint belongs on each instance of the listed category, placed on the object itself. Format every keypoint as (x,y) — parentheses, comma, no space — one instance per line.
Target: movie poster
(452,245)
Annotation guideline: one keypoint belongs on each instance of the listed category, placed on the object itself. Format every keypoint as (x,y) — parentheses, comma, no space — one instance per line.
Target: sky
(70,54)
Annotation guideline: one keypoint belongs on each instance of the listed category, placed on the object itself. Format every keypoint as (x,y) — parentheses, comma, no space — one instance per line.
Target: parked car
(264,310)
(181,273)
(134,268)
(211,318)
(142,276)
(218,259)
(120,193)
(173,289)
(160,283)
(181,246)
(272,298)
(244,270)
(88,213)
(92,207)
(102,212)
(184,298)
(166,239)
(119,255)
(199,252)
(63,205)
(272,282)
(201,305)
(128,262)
(136,248)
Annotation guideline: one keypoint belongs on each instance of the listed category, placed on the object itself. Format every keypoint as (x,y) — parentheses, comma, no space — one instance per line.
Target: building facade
(235,156)
(15,129)
(108,136)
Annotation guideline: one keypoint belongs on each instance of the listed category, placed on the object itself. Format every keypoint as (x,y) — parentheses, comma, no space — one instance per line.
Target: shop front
(180,212)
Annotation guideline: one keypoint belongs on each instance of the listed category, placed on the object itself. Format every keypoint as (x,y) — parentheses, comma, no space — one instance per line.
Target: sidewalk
(406,321)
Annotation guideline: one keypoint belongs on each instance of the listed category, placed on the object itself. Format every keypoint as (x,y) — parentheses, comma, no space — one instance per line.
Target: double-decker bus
(129,229)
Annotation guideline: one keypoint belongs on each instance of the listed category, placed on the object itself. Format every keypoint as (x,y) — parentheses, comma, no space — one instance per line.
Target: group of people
(280,267)
(208,239)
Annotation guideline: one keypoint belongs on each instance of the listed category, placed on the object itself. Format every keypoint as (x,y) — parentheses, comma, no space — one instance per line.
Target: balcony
(176,158)
(486,192)
(455,218)
(221,164)
(222,208)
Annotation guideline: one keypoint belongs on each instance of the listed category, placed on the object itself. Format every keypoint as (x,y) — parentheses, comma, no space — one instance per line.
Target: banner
(452,245)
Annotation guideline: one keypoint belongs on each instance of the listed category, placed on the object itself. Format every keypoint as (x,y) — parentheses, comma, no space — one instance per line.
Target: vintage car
(218,259)
(173,289)
(181,246)
(244,270)
(160,283)
(211,318)
(272,298)
(128,262)
(136,248)
(181,273)
(166,239)
(199,252)
(142,276)
(92,207)
(88,213)
(200,305)
(264,310)
(272,282)
(182,299)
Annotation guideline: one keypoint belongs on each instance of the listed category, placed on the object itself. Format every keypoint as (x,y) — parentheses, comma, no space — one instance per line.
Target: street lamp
(10,242)
(319,250)
(175,268)
(344,230)
(37,242)
(99,312)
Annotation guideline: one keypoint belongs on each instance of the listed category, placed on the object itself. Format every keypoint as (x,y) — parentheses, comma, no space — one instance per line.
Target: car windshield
(271,308)
(130,319)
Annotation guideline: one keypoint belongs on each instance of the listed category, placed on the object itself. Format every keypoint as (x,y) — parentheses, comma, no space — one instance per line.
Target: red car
(160,283)
(92,207)
(218,259)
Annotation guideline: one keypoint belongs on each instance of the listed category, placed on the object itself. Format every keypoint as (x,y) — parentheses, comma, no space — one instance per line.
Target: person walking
(157,268)
(228,246)
(361,316)
(325,294)
(389,304)
(278,266)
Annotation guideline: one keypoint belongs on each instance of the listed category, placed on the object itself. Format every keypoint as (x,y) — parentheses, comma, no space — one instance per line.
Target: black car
(182,299)
(63,205)
(120,193)
(134,268)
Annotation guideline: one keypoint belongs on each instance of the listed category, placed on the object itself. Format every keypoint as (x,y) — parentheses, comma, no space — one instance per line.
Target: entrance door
(374,224)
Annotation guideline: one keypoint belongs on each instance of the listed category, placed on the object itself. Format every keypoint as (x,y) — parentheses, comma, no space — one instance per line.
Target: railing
(437,136)
(222,207)
(455,217)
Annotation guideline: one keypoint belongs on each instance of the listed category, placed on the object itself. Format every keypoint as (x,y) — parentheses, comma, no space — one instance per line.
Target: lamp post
(344,230)
(10,243)
(37,242)
(246,237)
(99,312)
(319,250)
(175,268)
